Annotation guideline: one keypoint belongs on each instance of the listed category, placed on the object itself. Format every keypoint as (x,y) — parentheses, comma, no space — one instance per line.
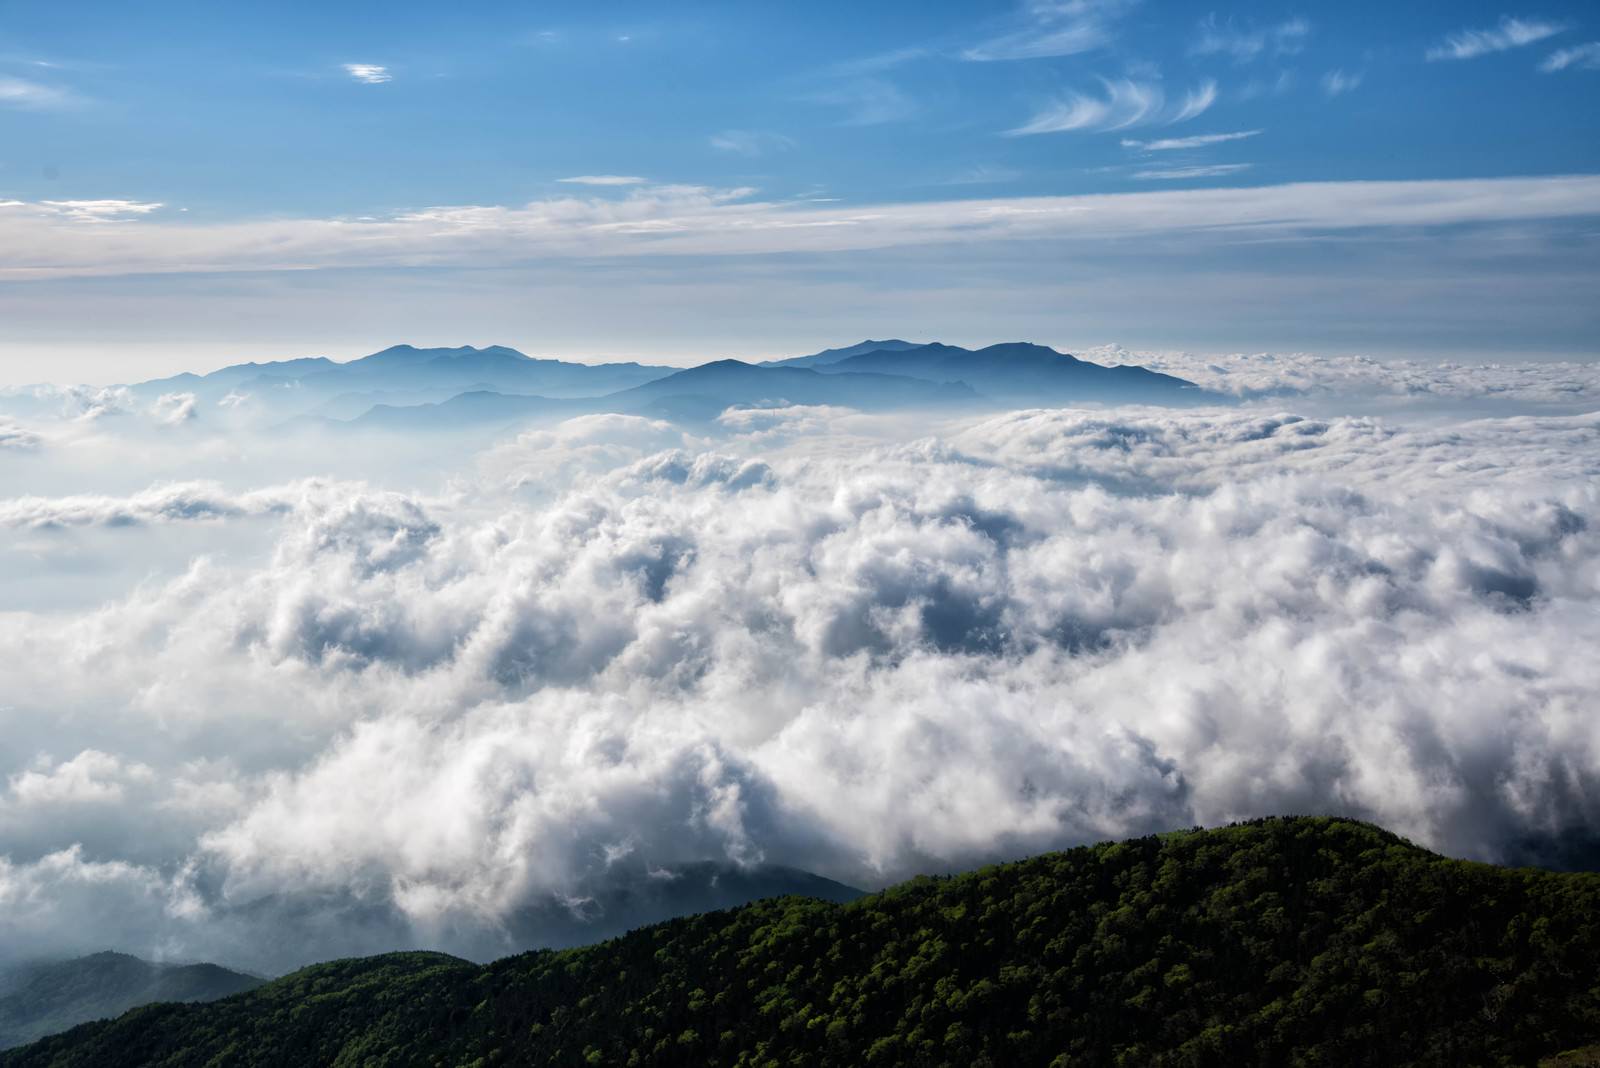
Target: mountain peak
(1020,346)
(827,356)
(413,354)
(714,365)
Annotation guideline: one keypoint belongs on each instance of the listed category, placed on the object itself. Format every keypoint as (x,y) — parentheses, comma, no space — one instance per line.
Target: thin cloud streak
(1286,38)
(1196,101)
(1217,170)
(867,101)
(368,73)
(1049,29)
(1174,144)
(1581,57)
(20,93)
(602,179)
(751,143)
(37,241)
(1065,41)
(1126,103)
(1338,82)
(1511,33)
(99,210)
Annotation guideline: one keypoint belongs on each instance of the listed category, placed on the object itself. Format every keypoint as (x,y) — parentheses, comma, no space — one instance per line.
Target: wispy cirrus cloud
(92,210)
(1249,42)
(867,101)
(1172,174)
(602,179)
(877,62)
(1196,101)
(863,88)
(1510,33)
(751,142)
(1178,144)
(37,242)
(1581,57)
(1279,84)
(1339,82)
(21,93)
(368,73)
(1126,103)
(984,174)
(1045,28)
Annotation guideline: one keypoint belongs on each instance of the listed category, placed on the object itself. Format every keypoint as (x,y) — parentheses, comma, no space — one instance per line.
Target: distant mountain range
(827,356)
(434,373)
(42,999)
(1020,373)
(730,382)
(408,388)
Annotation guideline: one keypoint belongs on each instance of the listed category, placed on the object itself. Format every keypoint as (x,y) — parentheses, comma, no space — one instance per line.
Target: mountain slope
(1018,372)
(494,368)
(436,373)
(632,898)
(1288,941)
(404,387)
(226,377)
(898,361)
(726,382)
(42,999)
(827,356)
(476,408)
(696,394)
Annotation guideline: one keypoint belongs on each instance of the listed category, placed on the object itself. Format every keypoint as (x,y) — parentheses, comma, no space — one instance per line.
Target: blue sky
(154,156)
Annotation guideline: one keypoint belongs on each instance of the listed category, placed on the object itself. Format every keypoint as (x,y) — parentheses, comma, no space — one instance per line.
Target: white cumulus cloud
(858,645)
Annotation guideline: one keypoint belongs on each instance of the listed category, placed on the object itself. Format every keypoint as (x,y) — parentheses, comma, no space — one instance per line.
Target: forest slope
(1278,942)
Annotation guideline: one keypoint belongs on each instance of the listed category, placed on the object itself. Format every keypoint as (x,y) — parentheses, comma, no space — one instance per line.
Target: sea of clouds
(304,701)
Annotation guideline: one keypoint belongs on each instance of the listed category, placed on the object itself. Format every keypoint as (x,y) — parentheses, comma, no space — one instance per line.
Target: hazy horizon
(180,191)
(204,359)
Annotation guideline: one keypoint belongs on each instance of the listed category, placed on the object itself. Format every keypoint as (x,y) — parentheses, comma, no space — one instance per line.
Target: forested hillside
(1279,942)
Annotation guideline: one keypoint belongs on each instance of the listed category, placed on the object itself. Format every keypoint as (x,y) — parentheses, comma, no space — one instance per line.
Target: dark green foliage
(1279,942)
(41,999)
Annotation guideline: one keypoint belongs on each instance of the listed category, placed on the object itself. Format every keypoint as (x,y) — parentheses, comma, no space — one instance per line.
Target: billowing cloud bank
(1343,378)
(853,646)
